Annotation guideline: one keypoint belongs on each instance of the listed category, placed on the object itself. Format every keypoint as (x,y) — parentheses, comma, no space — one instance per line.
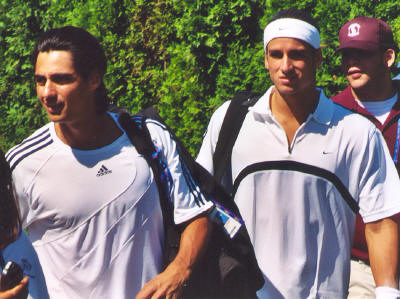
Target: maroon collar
(347,100)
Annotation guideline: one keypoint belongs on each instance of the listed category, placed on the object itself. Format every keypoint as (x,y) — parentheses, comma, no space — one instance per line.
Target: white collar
(323,113)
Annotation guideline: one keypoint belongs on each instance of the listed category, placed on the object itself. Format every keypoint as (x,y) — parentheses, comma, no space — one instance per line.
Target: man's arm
(20,291)
(169,283)
(382,240)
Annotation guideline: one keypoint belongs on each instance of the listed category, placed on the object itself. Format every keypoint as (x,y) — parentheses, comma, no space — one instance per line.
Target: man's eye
(275,54)
(297,55)
(40,80)
(62,79)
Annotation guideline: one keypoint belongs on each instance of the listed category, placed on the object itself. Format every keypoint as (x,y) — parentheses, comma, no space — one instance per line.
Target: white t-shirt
(22,252)
(299,223)
(94,216)
(379,109)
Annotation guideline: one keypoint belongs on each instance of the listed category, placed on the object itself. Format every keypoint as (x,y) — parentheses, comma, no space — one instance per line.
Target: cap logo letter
(354,30)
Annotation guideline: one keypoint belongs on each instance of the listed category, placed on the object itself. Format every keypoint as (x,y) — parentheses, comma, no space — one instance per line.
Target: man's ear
(389,57)
(266,60)
(318,58)
(94,80)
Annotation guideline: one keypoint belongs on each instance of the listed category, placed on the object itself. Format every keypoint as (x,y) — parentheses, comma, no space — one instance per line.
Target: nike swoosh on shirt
(327,152)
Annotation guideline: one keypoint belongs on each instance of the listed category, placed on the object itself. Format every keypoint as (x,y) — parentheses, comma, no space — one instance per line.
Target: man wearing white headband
(301,168)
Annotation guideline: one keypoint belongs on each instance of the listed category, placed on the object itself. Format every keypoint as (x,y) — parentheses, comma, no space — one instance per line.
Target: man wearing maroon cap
(368,54)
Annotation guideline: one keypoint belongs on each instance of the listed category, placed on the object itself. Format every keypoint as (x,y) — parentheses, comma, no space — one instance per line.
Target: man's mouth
(286,79)
(54,108)
(354,73)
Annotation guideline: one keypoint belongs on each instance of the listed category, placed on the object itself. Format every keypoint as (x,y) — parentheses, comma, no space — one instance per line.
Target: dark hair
(294,13)
(10,223)
(86,51)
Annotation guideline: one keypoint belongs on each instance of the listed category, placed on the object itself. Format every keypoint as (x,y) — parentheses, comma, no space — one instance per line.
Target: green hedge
(186,56)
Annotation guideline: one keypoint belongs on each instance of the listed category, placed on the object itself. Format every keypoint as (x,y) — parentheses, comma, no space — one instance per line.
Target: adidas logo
(103,171)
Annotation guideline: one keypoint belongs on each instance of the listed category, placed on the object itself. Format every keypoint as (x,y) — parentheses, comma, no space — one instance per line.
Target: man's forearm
(382,240)
(170,282)
(193,243)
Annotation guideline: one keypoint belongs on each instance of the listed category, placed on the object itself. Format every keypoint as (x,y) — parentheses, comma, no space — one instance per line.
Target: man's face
(363,68)
(292,64)
(65,95)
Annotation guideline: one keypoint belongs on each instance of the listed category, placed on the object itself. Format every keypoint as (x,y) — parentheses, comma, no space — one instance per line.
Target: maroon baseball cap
(366,33)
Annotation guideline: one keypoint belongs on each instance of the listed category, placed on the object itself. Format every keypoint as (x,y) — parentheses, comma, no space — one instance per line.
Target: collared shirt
(299,223)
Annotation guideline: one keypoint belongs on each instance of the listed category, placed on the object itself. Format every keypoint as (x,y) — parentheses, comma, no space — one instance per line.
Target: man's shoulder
(36,143)
(350,120)
(344,98)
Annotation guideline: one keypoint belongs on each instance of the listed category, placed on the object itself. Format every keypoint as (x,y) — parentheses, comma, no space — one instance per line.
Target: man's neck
(296,107)
(376,92)
(292,110)
(100,131)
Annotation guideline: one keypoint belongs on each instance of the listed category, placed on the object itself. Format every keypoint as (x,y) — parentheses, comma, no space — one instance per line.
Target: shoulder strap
(2,261)
(230,128)
(141,139)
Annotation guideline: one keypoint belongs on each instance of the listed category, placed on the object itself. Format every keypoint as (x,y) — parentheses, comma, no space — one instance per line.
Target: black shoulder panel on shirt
(299,167)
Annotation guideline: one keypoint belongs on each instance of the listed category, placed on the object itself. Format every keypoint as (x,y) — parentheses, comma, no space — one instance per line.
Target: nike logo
(327,152)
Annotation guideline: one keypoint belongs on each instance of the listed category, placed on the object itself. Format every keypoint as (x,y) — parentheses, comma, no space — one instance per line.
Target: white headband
(295,28)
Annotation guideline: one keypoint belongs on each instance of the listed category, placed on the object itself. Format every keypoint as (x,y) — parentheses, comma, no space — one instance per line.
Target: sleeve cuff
(387,293)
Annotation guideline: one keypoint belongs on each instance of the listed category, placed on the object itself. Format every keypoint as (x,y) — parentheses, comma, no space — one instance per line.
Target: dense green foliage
(186,56)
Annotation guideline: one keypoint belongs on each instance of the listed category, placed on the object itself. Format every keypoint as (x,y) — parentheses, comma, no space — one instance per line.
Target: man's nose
(286,65)
(350,59)
(49,89)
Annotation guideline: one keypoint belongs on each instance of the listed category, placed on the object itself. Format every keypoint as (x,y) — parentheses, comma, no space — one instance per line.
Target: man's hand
(169,284)
(20,291)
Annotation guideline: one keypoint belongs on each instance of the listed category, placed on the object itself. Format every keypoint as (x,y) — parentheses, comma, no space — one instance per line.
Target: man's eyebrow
(56,76)
(62,75)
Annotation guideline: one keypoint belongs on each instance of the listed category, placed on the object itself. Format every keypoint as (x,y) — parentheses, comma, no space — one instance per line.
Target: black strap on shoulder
(230,128)
(140,138)
(2,261)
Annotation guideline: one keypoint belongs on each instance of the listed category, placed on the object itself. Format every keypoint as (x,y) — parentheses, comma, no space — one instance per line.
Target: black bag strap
(230,128)
(141,139)
(2,261)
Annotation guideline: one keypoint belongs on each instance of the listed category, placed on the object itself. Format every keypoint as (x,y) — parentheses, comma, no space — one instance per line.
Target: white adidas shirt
(299,223)
(94,216)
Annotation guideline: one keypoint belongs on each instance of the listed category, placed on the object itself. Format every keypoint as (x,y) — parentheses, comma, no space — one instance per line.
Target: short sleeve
(379,183)
(206,153)
(185,194)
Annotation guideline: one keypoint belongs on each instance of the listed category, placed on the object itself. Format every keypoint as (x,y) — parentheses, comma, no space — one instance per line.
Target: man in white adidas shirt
(298,165)
(88,199)
(368,54)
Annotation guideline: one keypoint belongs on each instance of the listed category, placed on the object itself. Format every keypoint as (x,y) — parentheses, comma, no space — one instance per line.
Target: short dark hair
(10,223)
(88,55)
(294,13)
